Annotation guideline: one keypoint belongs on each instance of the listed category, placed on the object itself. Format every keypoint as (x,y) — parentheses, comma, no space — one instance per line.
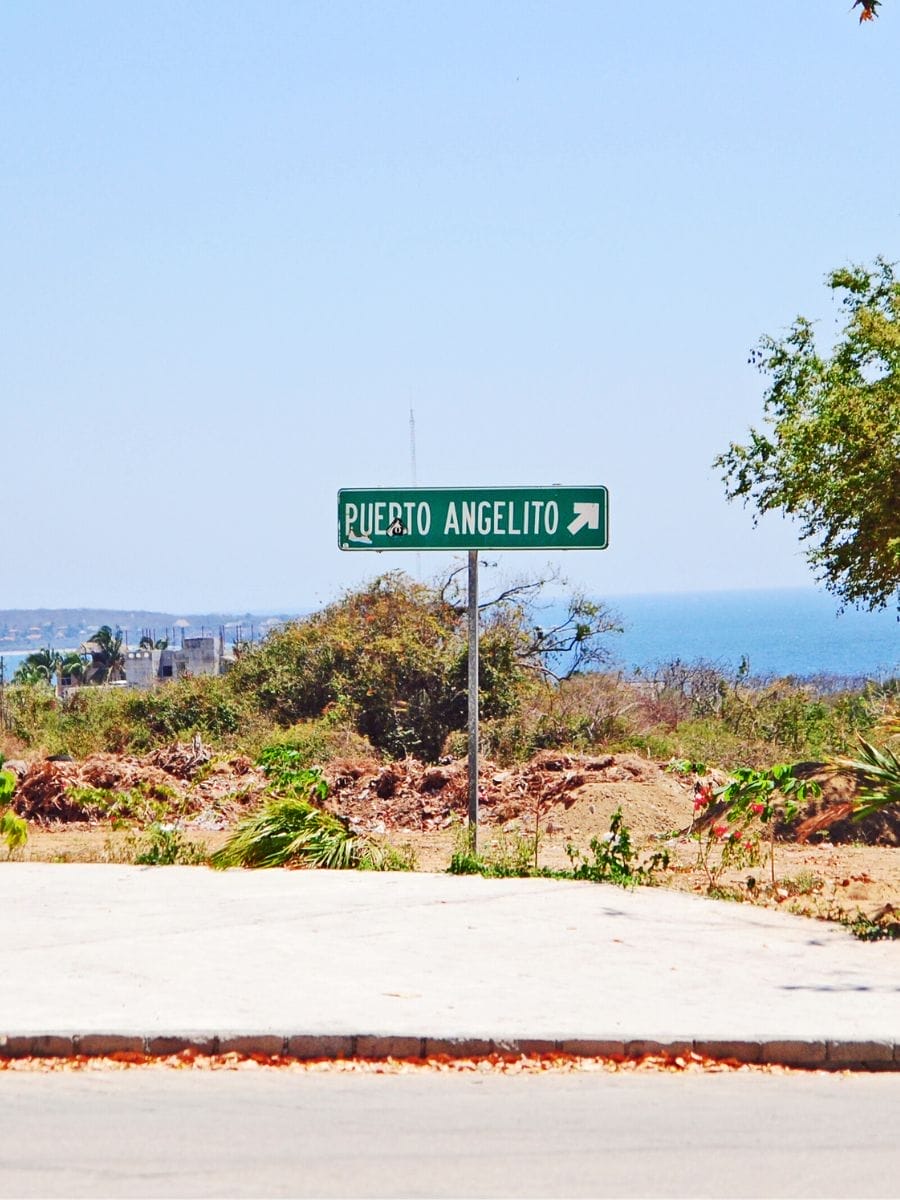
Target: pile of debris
(53,790)
(409,794)
(189,784)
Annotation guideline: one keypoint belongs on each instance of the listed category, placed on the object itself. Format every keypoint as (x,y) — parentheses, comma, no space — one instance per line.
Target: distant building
(145,668)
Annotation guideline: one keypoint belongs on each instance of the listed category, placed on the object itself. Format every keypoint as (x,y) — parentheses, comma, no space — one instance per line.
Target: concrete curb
(836,1055)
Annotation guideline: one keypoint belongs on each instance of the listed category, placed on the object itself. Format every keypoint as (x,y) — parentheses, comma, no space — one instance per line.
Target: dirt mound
(830,815)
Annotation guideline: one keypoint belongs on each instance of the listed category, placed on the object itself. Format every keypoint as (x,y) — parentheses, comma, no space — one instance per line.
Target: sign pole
(473,701)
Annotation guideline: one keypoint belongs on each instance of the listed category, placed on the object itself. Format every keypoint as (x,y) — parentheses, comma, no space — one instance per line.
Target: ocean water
(794,631)
(781,632)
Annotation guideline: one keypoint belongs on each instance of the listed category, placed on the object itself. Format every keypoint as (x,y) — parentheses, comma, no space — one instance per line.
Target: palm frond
(877,772)
(291,830)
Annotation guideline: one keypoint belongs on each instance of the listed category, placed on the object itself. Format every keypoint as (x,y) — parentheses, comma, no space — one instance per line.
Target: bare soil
(826,865)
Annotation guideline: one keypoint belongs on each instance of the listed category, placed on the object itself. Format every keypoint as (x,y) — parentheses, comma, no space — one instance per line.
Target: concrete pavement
(97,958)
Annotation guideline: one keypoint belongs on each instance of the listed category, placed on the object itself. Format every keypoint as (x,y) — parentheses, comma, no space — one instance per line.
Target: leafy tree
(391,659)
(831,457)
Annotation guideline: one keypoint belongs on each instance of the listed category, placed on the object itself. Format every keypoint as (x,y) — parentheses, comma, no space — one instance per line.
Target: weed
(723,892)
(506,857)
(382,856)
(614,858)
(867,929)
(686,766)
(165,846)
(804,883)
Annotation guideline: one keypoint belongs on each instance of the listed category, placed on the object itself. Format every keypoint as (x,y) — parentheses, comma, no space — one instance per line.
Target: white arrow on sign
(585,515)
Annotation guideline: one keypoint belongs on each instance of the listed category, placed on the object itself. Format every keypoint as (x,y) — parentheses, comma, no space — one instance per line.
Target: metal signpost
(473,519)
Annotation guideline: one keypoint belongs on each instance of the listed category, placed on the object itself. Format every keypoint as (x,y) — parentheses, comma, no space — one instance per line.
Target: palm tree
(72,666)
(107,656)
(39,667)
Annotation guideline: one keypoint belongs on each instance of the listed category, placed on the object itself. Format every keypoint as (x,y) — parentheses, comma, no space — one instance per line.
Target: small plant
(767,795)
(686,766)
(614,858)
(720,849)
(285,768)
(381,856)
(14,831)
(165,846)
(142,803)
(804,883)
(506,857)
(869,929)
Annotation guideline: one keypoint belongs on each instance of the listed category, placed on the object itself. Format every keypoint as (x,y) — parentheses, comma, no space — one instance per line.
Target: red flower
(757,808)
(720,830)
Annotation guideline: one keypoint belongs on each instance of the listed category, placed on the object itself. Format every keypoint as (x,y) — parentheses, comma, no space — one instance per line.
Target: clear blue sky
(240,241)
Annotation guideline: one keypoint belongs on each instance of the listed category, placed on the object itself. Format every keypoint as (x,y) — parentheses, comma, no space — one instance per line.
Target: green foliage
(614,858)
(283,768)
(767,795)
(391,660)
(505,857)
(289,830)
(869,930)
(385,657)
(163,845)
(831,457)
(107,656)
(877,771)
(382,856)
(204,704)
(316,742)
(13,830)
(7,785)
(141,803)
(686,766)
(39,667)
(775,792)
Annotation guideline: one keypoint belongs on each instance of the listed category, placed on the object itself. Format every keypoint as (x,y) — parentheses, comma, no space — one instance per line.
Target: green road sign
(513,518)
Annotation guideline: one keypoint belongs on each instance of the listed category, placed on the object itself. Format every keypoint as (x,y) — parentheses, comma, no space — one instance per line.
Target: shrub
(204,704)
(313,743)
(164,846)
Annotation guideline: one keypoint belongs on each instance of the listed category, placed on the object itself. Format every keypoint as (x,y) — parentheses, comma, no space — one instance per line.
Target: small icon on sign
(396,528)
(358,537)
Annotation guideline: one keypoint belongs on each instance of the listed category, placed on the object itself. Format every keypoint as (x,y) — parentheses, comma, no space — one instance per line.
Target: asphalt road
(269,1133)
